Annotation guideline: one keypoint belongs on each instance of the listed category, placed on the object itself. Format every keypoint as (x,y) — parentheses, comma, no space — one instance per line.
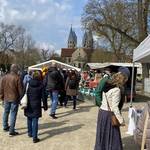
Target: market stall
(50,62)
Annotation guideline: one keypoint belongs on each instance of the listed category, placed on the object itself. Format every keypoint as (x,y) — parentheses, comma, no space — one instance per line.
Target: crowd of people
(58,84)
(61,85)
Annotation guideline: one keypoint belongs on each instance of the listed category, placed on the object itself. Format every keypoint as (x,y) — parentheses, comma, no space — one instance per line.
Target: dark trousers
(62,97)
(32,126)
(74,101)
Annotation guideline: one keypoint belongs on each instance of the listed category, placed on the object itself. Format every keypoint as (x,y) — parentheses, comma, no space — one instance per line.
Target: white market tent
(50,62)
(142,52)
(104,65)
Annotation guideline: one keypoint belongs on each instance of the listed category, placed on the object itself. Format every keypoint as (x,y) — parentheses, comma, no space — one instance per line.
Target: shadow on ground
(53,132)
(129,144)
(48,125)
(141,98)
(79,109)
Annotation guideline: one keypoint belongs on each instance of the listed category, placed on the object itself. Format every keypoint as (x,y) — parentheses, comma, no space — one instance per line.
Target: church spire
(72,39)
(87,41)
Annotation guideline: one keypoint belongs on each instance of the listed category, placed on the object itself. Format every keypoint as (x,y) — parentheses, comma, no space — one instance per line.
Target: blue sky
(48,21)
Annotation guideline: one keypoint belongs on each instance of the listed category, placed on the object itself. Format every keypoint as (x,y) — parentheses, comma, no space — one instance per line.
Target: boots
(53,116)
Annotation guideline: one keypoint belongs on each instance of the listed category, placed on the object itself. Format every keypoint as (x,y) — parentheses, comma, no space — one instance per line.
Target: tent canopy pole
(132,81)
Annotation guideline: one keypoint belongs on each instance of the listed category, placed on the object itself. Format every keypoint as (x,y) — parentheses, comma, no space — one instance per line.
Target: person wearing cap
(125,71)
(11,92)
(126,88)
(108,136)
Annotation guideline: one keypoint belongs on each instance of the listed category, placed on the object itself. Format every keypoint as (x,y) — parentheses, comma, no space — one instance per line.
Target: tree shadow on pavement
(79,109)
(52,124)
(129,144)
(141,98)
(53,132)
(48,125)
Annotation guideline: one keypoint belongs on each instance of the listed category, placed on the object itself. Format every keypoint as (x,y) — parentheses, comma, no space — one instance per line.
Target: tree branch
(118,30)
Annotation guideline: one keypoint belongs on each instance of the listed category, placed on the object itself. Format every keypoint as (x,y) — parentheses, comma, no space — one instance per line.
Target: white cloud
(3,4)
(47,20)
(40,1)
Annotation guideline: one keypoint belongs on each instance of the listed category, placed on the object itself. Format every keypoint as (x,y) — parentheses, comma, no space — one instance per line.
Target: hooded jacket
(36,94)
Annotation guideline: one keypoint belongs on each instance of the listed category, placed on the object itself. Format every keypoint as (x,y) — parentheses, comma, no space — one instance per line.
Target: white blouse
(113,98)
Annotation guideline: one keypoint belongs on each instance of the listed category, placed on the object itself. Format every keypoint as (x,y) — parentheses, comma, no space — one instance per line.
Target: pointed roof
(71,35)
(84,39)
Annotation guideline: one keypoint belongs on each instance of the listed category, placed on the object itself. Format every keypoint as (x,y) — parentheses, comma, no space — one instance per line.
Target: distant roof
(104,65)
(67,52)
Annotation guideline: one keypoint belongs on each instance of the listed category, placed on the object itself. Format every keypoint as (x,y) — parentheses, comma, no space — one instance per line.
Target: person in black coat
(53,83)
(35,94)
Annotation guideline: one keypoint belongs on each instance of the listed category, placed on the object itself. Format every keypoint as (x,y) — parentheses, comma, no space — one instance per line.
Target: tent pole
(132,81)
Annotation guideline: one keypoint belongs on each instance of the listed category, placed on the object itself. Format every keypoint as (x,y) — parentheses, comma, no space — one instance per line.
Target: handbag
(114,120)
(24,99)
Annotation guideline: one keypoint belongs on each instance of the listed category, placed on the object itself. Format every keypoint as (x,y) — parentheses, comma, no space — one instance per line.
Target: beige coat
(70,92)
(140,127)
(113,96)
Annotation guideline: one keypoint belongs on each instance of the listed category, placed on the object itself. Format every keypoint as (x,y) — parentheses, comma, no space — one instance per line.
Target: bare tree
(122,19)
(25,46)
(17,44)
(8,36)
(45,54)
(110,19)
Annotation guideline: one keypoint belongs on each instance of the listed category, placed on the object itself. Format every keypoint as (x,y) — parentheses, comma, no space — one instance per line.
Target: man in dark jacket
(10,93)
(53,83)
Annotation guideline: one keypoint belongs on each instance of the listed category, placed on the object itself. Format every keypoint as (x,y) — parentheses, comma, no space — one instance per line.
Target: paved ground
(73,130)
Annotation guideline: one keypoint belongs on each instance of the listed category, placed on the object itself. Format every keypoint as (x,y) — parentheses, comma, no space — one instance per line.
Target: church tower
(87,41)
(72,39)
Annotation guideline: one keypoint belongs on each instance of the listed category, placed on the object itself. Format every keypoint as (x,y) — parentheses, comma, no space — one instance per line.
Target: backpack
(72,84)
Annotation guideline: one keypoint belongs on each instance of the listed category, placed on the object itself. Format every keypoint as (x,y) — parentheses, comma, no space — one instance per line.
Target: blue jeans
(32,126)
(54,98)
(12,109)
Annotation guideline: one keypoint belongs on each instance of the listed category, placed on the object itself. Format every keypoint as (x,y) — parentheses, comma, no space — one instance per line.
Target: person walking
(35,94)
(53,83)
(71,87)
(108,136)
(10,93)
(27,78)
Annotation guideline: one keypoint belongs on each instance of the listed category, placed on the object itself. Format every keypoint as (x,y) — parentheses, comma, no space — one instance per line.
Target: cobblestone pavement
(73,130)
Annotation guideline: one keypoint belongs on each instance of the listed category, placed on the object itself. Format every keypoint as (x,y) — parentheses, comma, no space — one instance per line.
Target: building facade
(78,56)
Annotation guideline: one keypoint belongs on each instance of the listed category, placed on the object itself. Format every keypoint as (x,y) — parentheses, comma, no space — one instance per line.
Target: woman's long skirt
(108,137)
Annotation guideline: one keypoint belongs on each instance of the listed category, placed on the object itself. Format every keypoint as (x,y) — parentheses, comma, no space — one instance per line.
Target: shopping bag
(24,99)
